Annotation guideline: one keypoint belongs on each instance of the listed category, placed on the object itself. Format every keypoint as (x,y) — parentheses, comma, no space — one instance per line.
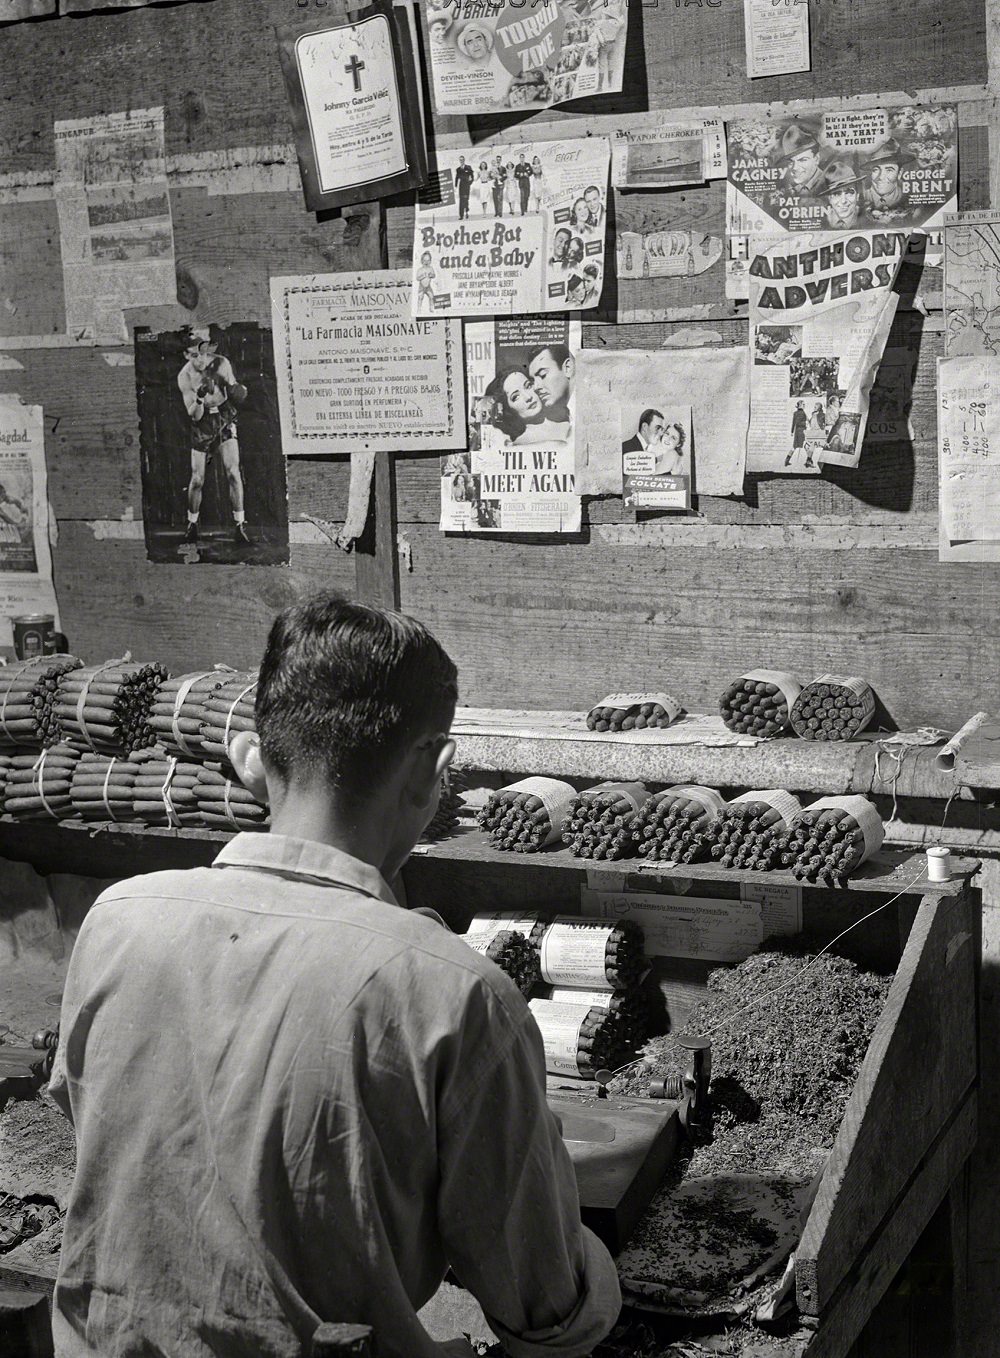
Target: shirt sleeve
(508,1206)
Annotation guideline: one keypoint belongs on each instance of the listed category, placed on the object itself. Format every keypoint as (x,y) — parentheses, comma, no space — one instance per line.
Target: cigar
(600,1043)
(671,826)
(637,716)
(825,847)
(601,821)
(28,691)
(512,953)
(832,711)
(519,821)
(754,707)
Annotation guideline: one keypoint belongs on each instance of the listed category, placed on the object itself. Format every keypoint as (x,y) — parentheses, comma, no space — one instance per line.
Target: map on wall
(972,283)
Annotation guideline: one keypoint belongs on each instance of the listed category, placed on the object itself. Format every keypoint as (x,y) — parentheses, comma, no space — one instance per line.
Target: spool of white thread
(938,864)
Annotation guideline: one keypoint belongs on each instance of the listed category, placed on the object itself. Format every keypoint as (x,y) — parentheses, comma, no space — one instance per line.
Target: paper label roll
(634,793)
(790,687)
(574,952)
(555,795)
(560,1027)
(712,801)
(787,806)
(484,928)
(869,820)
(945,758)
(591,999)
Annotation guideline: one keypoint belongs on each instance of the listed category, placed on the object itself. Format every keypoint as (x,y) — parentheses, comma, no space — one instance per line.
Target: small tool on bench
(690,1090)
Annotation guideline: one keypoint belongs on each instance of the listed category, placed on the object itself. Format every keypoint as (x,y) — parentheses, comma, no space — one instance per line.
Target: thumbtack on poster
(777,33)
(352,86)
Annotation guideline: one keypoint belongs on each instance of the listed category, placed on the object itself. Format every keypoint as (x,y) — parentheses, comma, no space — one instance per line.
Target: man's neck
(360,834)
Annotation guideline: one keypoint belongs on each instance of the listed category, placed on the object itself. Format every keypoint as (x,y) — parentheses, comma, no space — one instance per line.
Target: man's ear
(570,366)
(428,761)
(244,755)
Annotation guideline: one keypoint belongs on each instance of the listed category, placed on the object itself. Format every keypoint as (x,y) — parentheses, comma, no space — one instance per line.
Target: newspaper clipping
(656,455)
(706,389)
(114,220)
(513,229)
(821,305)
(356,370)
(972,283)
(518,475)
(25,558)
(969,455)
(498,56)
(881,169)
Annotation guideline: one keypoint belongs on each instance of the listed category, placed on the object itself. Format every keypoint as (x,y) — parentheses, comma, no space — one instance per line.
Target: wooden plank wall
(806,574)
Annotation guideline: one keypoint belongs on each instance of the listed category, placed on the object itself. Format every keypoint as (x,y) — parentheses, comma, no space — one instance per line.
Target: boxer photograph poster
(213,471)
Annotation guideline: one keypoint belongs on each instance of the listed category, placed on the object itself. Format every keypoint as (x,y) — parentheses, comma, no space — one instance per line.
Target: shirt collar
(306,859)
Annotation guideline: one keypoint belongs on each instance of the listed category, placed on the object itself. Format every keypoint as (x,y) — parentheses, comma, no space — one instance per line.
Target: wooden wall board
(112,599)
(31,283)
(537,623)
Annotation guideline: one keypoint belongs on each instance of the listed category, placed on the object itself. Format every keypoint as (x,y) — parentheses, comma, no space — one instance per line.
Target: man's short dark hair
(648,415)
(344,687)
(560,354)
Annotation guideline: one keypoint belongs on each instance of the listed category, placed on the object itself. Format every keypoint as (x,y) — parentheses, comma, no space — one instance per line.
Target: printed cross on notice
(354,68)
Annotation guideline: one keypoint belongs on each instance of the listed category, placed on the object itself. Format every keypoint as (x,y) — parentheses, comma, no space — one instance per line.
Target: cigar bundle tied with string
(165,789)
(229,709)
(589,952)
(633,712)
(28,694)
(760,702)
(833,707)
(750,831)
(105,708)
(577,1041)
(102,787)
(628,1006)
(527,816)
(453,783)
(225,804)
(831,838)
(513,953)
(601,820)
(38,785)
(672,826)
(178,710)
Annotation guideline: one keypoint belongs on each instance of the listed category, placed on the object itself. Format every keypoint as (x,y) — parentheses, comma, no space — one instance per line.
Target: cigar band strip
(869,820)
(104,791)
(575,953)
(560,1027)
(789,686)
(172,817)
(634,793)
(81,701)
(555,796)
(706,797)
(232,712)
(593,999)
(787,806)
(625,701)
(38,782)
(179,699)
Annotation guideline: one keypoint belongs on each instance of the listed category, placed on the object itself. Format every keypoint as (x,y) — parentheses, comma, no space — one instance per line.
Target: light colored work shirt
(296,1101)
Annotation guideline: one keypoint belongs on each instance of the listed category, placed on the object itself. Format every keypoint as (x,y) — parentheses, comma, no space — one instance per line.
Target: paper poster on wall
(881,169)
(821,306)
(213,473)
(356,370)
(713,384)
(656,453)
(352,87)
(777,36)
(114,220)
(972,283)
(87,6)
(969,454)
(518,475)
(25,556)
(513,229)
(505,56)
(668,156)
(890,403)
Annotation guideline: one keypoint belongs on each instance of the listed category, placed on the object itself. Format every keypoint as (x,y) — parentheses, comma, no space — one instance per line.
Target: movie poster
(213,473)
(656,453)
(25,557)
(821,306)
(513,229)
(873,169)
(495,56)
(518,475)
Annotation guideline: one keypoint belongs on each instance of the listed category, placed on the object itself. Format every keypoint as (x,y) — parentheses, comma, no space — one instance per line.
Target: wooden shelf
(888,871)
(696,749)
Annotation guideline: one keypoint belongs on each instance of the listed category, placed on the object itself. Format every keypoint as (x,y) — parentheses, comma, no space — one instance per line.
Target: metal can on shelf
(35,634)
